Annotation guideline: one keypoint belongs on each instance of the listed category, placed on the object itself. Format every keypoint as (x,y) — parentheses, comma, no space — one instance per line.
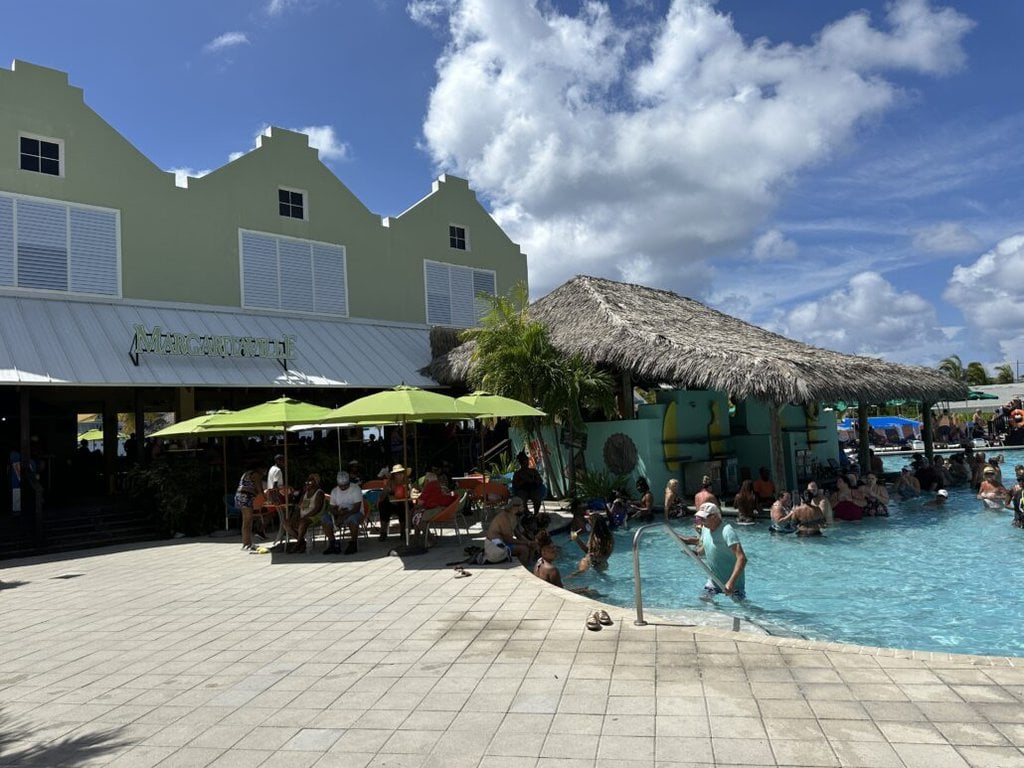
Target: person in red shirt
(432,501)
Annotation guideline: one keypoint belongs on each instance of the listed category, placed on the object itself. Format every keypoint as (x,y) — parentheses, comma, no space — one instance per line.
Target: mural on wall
(670,439)
(717,430)
(620,454)
(811,417)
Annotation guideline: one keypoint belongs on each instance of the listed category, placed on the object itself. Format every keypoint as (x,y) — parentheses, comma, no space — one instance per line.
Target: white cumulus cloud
(869,316)
(182,175)
(645,146)
(322,138)
(945,237)
(227,40)
(773,246)
(987,292)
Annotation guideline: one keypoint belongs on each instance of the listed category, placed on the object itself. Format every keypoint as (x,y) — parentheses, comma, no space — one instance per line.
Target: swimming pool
(924,579)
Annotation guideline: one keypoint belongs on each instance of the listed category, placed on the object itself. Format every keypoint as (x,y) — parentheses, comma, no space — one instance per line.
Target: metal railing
(685,548)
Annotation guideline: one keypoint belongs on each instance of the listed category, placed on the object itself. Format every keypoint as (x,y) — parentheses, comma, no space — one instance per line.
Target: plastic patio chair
(454,513)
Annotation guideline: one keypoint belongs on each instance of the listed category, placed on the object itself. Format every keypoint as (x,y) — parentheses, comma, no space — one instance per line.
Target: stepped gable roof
(661,337)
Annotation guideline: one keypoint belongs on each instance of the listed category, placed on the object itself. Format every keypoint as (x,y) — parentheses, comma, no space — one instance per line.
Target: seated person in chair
(346,509)
(431,502)
(308,512)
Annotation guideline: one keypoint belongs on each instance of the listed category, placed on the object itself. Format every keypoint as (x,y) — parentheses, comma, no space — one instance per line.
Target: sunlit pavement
(194,653)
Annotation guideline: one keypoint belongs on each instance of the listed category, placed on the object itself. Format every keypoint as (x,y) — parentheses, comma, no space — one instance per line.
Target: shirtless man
(705,495)
(502,530)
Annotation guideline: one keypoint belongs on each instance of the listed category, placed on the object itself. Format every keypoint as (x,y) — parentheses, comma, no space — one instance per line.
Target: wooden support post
(775,440)
(863,430)
(926,430)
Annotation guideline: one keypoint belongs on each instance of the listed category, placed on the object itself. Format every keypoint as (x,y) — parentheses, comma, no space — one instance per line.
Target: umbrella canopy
(400,405)
(204,425)
(97,434)
(275,415)
(495,406)
(976,394)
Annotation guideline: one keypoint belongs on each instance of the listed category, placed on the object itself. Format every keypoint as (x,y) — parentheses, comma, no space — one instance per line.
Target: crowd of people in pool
(854,498)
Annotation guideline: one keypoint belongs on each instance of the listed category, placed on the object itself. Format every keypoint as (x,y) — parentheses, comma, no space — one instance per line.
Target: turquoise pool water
(925,579)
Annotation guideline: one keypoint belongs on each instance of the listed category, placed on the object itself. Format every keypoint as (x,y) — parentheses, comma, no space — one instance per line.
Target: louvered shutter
(93,251)
(329,289)
(483,282)
(259,271)
(439,301)
(6,241)
(463,309)
(42,245)
(296,275)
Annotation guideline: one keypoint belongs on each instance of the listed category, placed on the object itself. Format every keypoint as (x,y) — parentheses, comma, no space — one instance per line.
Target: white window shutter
(259,271)
(483,282)
(330,293)
(296,275)
(6,241)
(42,245)
(93,251)
(439,300)
(463,309)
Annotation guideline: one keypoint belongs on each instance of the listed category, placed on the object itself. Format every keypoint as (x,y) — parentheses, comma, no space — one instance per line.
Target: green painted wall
(181,245)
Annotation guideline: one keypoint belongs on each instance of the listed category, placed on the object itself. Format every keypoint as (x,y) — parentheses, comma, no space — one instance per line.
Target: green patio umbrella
(96,434)
(400,405)
(976,394)
(490,406)
(272,416)
(204,425)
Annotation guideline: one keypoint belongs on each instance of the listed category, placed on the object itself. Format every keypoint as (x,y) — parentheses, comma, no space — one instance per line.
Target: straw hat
(397,468)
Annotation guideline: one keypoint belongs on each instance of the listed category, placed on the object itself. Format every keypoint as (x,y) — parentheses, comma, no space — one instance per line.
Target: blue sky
(845,173)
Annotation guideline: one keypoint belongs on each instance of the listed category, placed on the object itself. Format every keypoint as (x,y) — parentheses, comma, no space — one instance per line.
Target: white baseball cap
(707,509)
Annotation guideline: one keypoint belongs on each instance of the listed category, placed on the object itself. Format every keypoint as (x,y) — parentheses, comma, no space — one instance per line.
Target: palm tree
(953,367)
(976,375)
(514,357)
(1005,374)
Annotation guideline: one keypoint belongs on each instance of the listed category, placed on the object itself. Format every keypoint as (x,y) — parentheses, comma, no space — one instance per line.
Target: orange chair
(453,514)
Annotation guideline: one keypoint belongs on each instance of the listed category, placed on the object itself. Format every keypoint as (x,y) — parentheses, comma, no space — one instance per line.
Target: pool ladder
(685,548)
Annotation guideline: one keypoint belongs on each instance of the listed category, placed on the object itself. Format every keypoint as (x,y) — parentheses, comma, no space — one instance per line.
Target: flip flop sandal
(604,618)
(461,573)
(593,623)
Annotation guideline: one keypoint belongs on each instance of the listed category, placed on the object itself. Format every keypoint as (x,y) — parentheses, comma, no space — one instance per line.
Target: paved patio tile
(427,671)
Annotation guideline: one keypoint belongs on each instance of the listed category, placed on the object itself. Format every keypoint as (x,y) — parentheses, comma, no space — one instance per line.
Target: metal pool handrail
(636,566)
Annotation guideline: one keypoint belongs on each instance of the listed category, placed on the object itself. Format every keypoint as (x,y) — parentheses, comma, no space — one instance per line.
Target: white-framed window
(452,293)
(292,274)
(41,154)
(291,203)
(55,246)
(458,237)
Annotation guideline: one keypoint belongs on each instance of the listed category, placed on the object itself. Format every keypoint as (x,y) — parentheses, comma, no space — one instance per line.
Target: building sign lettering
(161,342)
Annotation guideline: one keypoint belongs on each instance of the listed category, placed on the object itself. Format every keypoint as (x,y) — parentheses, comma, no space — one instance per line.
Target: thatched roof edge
(661,337)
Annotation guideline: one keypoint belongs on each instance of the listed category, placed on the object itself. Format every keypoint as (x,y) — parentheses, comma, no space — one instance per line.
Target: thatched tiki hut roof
(660,337)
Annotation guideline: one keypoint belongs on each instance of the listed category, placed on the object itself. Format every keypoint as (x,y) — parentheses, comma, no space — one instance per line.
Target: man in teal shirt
(722,551)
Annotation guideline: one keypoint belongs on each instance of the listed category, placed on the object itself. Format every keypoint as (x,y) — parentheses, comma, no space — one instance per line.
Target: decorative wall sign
(620,453)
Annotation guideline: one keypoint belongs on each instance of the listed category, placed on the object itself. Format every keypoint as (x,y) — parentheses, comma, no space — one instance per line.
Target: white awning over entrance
(68,341)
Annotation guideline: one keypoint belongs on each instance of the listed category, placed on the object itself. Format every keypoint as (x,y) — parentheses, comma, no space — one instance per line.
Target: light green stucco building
(100,248)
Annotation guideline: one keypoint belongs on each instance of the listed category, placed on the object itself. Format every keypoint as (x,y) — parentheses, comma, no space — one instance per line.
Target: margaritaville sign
(160,342)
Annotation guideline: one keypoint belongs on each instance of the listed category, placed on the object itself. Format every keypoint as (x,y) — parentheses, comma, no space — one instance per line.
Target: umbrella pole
(338,432)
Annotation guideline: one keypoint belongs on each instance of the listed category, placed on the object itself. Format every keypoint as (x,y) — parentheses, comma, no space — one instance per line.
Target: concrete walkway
(194,653)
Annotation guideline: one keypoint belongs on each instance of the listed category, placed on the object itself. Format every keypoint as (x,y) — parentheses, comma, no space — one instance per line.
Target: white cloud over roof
(623,150)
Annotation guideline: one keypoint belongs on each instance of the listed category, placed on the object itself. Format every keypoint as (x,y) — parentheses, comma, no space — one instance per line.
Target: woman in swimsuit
(674,506)
(249,487)
(598,548)
(745,503)
(876,497)
(846,505)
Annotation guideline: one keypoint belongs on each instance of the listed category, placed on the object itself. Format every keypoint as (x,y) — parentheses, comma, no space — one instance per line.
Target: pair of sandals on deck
(598,619)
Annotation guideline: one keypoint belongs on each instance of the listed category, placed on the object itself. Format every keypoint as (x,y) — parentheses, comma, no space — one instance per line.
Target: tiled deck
(197,654)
